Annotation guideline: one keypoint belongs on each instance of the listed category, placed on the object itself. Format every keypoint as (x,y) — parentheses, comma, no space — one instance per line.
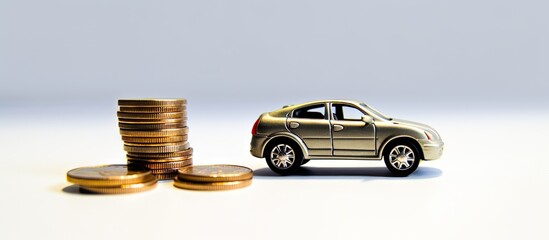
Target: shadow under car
(307,172)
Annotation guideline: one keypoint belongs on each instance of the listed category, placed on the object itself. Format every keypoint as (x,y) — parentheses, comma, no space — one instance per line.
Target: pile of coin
(154,132)
(213,177)
(155,137)
(112,179)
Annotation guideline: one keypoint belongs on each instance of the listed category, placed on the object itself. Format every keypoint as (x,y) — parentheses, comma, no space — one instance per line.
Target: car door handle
(337,128)
(294,125)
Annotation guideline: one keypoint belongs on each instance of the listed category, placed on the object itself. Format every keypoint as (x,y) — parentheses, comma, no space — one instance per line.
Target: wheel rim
(282,156)
(402,157)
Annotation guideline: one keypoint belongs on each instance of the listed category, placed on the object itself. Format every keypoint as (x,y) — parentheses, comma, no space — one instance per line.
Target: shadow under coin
(366,173)
(75,189)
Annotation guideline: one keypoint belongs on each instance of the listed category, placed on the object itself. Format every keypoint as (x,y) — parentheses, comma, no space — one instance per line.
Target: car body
(341,129)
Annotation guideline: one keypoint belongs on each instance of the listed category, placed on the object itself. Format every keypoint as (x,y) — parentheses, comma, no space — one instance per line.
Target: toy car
(341,129)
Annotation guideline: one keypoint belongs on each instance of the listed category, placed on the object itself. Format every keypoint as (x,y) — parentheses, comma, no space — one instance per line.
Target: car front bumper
(432,150)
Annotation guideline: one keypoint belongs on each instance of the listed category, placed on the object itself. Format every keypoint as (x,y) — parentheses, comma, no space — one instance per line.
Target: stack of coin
(154,132)
(213,177)
(112,179)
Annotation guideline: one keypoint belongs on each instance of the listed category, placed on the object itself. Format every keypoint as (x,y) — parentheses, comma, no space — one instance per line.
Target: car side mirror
(367,119)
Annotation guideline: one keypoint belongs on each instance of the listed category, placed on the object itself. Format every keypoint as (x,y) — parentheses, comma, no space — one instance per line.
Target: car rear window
(311,112)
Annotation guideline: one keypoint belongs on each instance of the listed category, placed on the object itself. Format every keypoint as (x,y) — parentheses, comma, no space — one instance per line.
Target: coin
(157,133)
(162,165)
(154,144)
(158,160)
(158,126)
(151,121)
(152,109)
(211,186)
(215,173)
(157,149)
(128,188)
(184,153)
(166,176)
(154,140)
(175,102)
(151,115)
(108,176)
(164,170)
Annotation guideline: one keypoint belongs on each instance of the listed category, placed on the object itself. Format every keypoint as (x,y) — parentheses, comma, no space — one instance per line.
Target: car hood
(425,127)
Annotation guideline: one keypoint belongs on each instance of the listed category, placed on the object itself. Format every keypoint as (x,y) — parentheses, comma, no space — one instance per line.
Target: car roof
(282,111)
(325,101)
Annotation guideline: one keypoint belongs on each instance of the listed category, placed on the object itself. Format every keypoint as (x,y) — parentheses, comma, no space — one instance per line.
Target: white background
(488,52)
(474,70)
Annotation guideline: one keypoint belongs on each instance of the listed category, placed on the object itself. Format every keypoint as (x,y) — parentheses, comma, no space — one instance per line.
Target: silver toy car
(341,129)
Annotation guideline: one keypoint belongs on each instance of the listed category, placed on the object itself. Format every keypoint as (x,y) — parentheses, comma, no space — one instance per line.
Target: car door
(352,137)
(311,124)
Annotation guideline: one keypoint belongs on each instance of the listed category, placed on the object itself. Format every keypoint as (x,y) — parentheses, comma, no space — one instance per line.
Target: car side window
(344,112)
(312,112)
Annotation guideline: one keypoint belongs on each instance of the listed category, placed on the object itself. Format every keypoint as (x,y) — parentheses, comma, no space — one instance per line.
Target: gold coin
(157,149)
(184,153)
(108,176)
(215,173)
(152,109)
(211,186)
(151,121)
(162,165)
(151,115)
(156,133)
(131,126)
(166,176)
(158,160)
(155,144)
(164,170)
(154,140)
(146,102)
(128,188)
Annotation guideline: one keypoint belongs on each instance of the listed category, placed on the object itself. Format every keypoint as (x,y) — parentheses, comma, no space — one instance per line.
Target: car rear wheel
(401,159)
(284,158)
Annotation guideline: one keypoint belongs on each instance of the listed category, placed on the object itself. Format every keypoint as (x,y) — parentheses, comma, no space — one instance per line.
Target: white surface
(491,183)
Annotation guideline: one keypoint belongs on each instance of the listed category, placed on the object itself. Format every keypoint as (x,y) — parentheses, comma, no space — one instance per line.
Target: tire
(305,161)
(283,157)
(401,159)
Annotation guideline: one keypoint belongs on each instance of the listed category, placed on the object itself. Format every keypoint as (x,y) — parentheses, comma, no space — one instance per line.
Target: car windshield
(376,112)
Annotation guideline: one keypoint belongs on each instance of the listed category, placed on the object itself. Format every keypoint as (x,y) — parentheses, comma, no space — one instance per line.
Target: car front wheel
(401,159)
(284,158)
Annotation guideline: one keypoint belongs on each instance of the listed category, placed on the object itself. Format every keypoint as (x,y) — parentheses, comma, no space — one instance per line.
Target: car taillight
(254,128)
(428,135)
